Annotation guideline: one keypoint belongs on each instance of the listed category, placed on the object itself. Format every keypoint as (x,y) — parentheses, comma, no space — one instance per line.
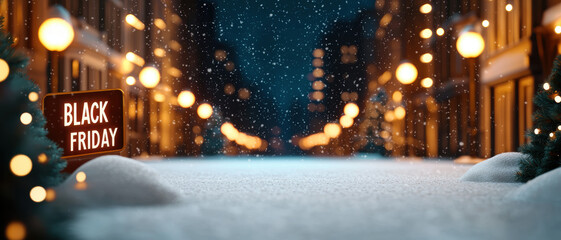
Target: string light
(440,31)
(551,135)
(204,111)
(546,86)
(557,99)
(130,80)
(351,109)
(33,96)
(26,118)
(21,165)
(4,70)
(558,29)
(485,23)
(537,131)
(38,194)
(425,8)
(508,7)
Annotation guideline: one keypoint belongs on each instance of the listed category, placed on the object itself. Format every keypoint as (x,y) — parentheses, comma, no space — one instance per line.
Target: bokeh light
(399,113)
(426,33)
(33,96)
(130,80)
(406,73)
(38,194)
(26,118)
(149,77)
(346,121)
(332,130)
(21,165)
(351,110)
(204,111)
(425,8)
(56,34)
(470,44)
(440,31)
(80,177)
(15,231)
(4,70)
(186,99)
(426,82)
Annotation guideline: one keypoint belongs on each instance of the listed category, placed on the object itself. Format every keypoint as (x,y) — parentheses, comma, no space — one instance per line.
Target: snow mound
(543,188)
(500,168)
(115,180)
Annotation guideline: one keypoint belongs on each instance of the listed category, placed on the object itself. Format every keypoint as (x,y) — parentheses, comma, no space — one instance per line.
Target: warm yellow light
(175,45)
(318,85)
(38,194)
(134,22)
(346,121)
(33,96)
(318,96)
(385,77)
(537,131)
(318,53)
(159,97)
(4,70)
(21,165)
(351,110)
(557,30)
(149,77)
(318,73)
(160,23)
(130,80)
(131,57)
(199,140)
(485,23)
(229,131)
(51,195)
(546,86)
(186,99)
(470,44)
(15,231)
(426,58)
(204,111)
(426,8)
(332,130)
(406,73)
(508,7)
(426,33)
(159,52)
(557,99)
(397,96)
(26,118)
(56,34)
(80,177)
(386,19)
(42,158)
(399,113)
(440,31)
(426,82)
(389,116)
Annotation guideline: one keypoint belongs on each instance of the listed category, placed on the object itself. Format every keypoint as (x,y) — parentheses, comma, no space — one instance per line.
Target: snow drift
(500,168)
(115,180)
(542,189)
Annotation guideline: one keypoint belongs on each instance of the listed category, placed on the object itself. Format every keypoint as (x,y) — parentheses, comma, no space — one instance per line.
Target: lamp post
(56,34)
(470,45)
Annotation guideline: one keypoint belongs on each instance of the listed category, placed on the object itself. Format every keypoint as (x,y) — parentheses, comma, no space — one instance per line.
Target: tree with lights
(373,123)
(544,149)
(31,163)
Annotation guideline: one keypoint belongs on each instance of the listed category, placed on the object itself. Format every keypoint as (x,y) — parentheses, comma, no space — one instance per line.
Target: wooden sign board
(85,122)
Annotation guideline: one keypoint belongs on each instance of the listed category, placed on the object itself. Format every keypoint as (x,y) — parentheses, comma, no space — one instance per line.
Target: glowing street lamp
(470,45)
(149,77)
(55,34)
(406,73)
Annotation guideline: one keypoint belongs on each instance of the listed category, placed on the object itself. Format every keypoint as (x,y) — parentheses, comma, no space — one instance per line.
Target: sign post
(86,122)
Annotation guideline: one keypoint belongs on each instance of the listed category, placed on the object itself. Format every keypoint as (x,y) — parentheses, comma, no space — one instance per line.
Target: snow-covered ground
(312,198)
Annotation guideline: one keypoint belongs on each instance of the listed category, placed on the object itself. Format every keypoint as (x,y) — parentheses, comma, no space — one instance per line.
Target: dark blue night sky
(274,40)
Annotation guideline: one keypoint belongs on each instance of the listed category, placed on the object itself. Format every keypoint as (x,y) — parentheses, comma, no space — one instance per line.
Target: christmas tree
(544,149)
(31,163)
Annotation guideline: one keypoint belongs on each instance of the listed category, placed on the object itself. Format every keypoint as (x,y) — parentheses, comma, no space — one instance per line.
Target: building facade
(108,52)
